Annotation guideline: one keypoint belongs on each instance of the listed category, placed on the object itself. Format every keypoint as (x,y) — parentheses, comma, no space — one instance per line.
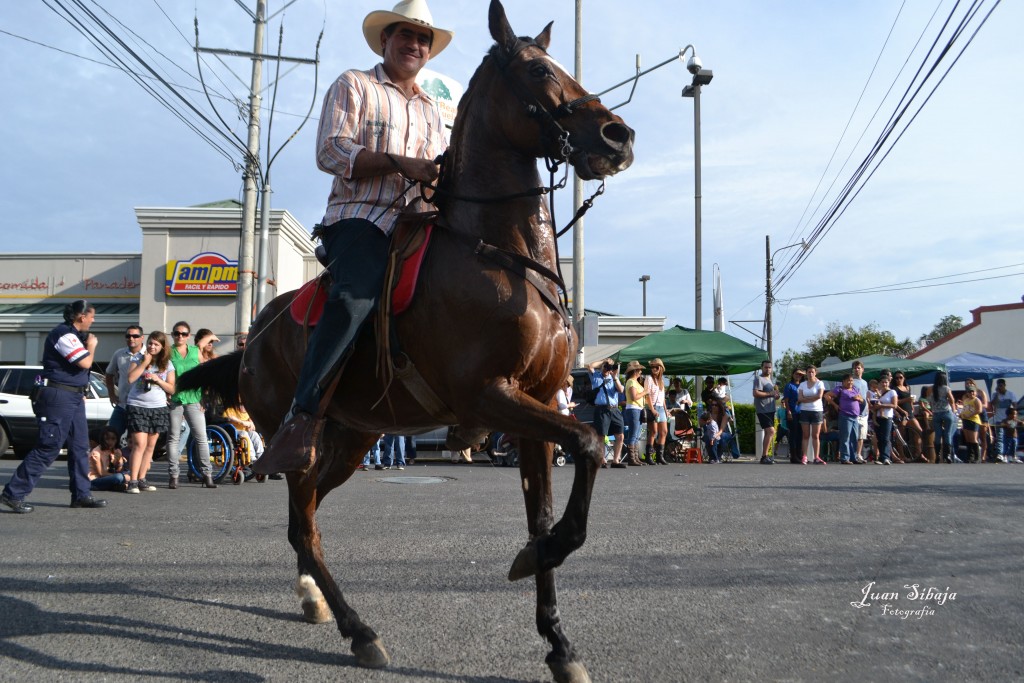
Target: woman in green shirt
(187,405)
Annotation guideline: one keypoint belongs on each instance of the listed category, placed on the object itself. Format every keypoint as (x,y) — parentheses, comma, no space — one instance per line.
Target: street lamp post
(701,76)
(769,267)
(644,279)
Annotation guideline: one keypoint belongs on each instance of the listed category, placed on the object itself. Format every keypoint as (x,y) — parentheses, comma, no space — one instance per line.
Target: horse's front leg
(509,410)
(338,460)
(535,469)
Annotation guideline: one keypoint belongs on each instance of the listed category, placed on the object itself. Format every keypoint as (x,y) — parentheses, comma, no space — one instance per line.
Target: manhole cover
(414,480)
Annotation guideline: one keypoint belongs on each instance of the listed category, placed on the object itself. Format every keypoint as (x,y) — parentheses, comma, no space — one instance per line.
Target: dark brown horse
(490,340)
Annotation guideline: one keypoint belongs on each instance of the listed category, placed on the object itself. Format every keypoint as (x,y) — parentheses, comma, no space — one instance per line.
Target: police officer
(59,405)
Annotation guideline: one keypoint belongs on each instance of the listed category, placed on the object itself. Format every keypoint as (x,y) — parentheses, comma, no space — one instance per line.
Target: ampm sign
(206,274)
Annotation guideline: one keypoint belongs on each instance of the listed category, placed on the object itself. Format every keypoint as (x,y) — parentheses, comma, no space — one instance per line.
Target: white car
(17,421)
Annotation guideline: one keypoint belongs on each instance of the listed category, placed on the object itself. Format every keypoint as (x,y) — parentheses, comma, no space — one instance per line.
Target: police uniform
(60,412)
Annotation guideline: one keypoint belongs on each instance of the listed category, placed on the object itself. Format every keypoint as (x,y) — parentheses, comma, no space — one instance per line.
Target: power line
(856,106)
(80,23)
(102,63)
(906,286)
(789,258)
(861,175)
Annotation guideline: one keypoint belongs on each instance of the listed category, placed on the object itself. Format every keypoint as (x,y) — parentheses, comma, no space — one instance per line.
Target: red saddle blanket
(311,297)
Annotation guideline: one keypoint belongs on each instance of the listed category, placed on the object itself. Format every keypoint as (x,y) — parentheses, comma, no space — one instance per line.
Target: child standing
(1009,429)
(711,436)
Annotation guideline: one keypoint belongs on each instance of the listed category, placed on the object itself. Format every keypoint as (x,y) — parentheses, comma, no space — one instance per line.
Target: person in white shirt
(812,413)
(887,403)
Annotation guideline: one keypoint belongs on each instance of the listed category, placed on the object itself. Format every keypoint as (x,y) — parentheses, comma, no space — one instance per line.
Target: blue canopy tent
(976,366)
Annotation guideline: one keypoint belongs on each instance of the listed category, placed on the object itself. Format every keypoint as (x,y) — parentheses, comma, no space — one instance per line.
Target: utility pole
(768,295)
(243,309)
(246,244)
(577,202)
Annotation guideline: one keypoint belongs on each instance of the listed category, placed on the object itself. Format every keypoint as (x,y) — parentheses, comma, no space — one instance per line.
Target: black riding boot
(659,453)
(357,250)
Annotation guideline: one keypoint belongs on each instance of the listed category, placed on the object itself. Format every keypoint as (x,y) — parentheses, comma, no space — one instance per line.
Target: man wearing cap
(1002,399)
(604,376)
(378,132)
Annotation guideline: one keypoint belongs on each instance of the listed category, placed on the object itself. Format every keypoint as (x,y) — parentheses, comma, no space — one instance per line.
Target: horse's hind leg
(535,467)
(341,454)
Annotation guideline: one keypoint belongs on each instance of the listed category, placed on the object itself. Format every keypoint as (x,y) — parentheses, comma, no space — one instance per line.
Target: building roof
(975,322)
(222,204)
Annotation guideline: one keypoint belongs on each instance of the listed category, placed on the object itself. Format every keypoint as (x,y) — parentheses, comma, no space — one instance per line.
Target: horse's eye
(540,71)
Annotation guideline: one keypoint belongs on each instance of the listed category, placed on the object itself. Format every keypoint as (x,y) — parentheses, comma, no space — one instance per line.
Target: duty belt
(65,387)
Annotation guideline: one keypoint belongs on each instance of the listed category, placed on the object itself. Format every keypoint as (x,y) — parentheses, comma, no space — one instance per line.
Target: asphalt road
(734,572)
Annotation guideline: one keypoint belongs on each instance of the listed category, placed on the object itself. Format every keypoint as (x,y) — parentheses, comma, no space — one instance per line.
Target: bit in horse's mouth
(598,166)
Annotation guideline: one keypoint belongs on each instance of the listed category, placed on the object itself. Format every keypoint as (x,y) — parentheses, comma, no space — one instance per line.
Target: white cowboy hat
(411,11)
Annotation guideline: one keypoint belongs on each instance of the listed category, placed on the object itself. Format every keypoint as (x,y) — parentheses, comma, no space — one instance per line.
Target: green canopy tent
(874,364)
(695,352)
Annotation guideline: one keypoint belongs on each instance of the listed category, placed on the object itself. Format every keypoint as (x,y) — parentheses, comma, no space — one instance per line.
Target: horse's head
(562,120)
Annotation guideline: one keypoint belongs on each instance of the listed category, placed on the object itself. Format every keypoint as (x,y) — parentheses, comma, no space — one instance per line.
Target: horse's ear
(544,37)
(502,33)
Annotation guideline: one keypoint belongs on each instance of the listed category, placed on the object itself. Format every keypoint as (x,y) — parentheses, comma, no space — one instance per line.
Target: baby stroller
(504,451)
(681,437)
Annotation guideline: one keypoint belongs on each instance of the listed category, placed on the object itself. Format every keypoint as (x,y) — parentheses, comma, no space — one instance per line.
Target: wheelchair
(231,454)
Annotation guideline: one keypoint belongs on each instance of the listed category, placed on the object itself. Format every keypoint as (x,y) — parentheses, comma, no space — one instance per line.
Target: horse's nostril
(617,135)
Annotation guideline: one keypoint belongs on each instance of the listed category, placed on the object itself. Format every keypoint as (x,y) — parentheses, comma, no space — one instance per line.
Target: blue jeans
(118,420)
(883,430)
(731,441)
(394,451)
(631,425)
(944,424)
(109,482)
(712,449)
(1007,438)
(372,454)
(848,431)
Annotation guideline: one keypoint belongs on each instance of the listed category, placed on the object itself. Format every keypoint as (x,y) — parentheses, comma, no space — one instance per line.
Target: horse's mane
(466,103)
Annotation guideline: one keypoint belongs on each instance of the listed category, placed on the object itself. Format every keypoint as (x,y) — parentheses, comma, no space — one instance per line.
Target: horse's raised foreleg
(339,458)
(514,412)
(535,468)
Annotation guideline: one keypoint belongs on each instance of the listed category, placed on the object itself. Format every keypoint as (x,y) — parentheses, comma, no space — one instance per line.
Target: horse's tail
(219,375)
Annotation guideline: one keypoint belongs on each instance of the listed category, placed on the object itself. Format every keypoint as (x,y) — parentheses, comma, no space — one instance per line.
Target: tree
(948,325)
(846,343)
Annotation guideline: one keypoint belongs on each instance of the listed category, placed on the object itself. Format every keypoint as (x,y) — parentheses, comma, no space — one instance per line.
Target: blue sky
(84,145)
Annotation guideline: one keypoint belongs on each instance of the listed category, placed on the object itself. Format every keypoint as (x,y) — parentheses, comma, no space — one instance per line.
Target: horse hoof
(316,612)
(525,563)
(314,606)
(371,654)
(569,672)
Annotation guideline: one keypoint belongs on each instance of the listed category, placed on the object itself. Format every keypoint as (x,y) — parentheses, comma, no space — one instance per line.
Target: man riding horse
(377,129)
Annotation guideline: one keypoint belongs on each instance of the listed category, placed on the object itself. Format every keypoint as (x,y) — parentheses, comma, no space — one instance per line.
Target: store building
(187,270)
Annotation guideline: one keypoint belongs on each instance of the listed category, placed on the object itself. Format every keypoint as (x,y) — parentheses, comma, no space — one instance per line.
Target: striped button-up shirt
(366,110)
